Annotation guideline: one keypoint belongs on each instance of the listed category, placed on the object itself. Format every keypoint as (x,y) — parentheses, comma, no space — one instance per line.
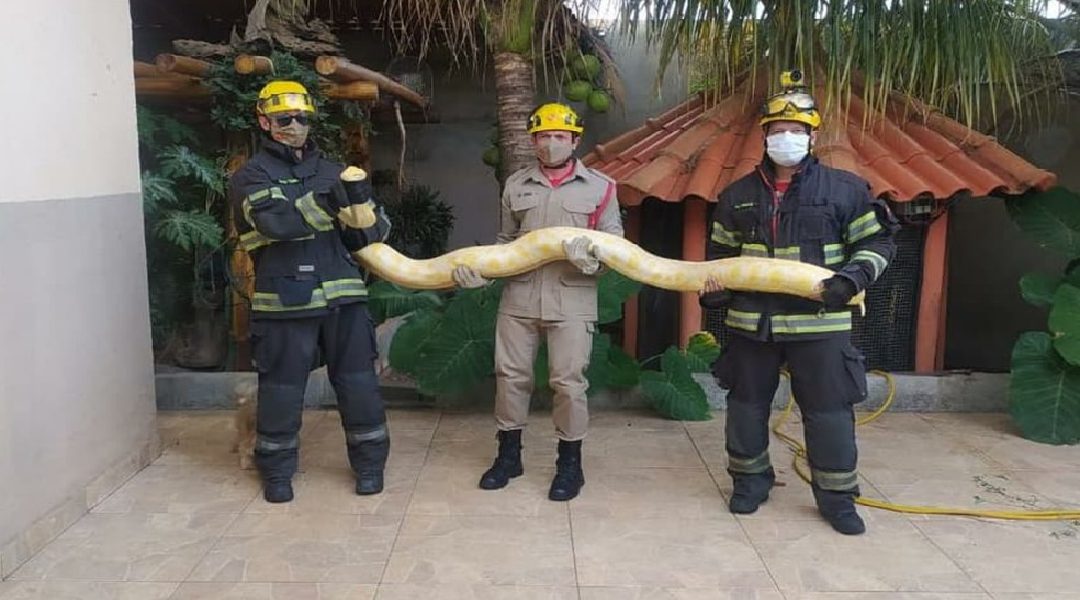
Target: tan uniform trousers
(517,340)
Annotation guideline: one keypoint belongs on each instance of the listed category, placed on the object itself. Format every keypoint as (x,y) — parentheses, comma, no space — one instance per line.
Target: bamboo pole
(342,70)
(174,63)
(248,64)
(361,91)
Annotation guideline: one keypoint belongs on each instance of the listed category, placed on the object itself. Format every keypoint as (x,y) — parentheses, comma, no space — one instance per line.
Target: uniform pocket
(577,211)
(855,365)
(295,290)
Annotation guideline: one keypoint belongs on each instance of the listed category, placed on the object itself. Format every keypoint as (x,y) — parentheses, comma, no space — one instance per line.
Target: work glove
(837,291)
(713,296)
(579,253)
(466,278)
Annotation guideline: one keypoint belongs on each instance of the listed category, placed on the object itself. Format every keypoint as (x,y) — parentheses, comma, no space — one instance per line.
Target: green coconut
(599,101)
(491,156)
(585,66)
(577,91)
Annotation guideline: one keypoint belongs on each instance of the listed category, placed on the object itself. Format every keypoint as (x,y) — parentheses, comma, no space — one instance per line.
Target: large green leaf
(387,300)
(701,352)
(1044,391)
(1051,218)
(1065,322)
(410,339)
(461,351)
(673,391)
(613,289)
(190,229)
(625,371)
(1039,288)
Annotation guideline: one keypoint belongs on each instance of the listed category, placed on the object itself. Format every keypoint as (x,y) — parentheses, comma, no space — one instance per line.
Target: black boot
(750,491)
(369,482)
(368,460)
(507,463)
(278,491)
(568,474)
(838,508)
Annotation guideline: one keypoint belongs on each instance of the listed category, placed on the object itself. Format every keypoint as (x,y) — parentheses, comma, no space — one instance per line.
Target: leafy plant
(1044,390)
(181,189)
(420,222)
(673,391)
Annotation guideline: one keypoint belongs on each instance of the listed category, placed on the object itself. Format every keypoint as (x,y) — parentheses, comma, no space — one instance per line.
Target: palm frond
(961,57)
(181,161)
(190,229)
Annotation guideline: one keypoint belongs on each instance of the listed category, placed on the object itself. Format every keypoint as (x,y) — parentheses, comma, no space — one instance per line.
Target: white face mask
(787,148)
(554,152)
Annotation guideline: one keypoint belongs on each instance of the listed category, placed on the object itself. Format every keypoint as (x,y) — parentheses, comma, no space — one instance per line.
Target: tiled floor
(651,523)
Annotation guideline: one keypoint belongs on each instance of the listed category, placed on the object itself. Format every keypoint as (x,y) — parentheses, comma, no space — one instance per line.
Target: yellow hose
(799,463)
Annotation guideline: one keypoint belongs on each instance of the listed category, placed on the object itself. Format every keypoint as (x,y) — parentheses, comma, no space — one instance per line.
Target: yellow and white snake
(542,246)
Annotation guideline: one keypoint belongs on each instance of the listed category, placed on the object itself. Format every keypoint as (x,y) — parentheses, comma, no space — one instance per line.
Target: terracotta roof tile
(695,151)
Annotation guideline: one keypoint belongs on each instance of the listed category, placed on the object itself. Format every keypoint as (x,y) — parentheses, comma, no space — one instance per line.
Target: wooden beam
(360,91)
(929,334)
(343,71)
(630,316)
(170,86)
(694,212)
(248,64)
(145,69)
(174,63)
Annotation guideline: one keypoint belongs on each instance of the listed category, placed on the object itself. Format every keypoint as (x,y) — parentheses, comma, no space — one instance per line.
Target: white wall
(77,411)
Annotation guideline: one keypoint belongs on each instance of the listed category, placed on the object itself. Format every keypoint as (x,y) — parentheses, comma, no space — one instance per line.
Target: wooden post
(929,335)
(630,316)
(174,63)
(694,211)
(247,64)
(243,274)
(341,70)
(361,91)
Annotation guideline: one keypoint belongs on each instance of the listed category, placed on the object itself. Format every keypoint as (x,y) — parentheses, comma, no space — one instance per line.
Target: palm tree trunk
(515,94)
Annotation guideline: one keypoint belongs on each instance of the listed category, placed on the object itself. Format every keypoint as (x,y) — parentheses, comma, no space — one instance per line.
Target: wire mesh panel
(887,334)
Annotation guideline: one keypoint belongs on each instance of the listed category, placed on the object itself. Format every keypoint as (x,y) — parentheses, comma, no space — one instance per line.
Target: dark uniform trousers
(828,377)
(285,351)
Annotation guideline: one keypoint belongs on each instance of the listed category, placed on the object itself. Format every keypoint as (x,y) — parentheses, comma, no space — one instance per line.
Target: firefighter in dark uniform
(792,207)
(300,216)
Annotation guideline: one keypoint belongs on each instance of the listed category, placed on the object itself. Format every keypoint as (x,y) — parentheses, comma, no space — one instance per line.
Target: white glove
(579,253)
(467,278)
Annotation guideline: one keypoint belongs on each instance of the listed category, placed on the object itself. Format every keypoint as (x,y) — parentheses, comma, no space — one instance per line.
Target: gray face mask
(553,152)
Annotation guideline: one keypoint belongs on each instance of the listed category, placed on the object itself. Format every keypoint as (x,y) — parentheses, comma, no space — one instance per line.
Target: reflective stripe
(288,181)
(789,253)
(876,260)
(834,254)
(755,250)
(837,482)
(253,240)
(330,290)
(723,236)
(826,322)
(268,445)
(344,287)
(863,227)
(313,213)
(358,437)
(758,464)
(274,193)
(747,321)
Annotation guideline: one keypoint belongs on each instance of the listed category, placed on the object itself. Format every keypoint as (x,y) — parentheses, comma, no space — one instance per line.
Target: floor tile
(412,419)
(1061,489)
(1012,556)
(992,489)
(128,547)
(808,556)
(274,591)
(85,590)
(631,420)
(453,489)
(444,591)
(301,548)
(656,593)
(678,553)
(650,493)
(613,449)
(208,437)
(887,596)
(184,489)
(482,550)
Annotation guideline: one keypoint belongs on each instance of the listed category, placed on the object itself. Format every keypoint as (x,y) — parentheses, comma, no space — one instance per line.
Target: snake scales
(542,246)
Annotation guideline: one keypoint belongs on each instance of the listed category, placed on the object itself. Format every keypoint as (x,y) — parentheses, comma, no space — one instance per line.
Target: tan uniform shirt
(557,291)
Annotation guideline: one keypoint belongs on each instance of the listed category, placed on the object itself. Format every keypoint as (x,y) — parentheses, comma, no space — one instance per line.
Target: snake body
(539,247)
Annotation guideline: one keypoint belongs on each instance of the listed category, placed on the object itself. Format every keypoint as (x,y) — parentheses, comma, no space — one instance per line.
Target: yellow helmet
(794,103)
(555,117)
(281,96)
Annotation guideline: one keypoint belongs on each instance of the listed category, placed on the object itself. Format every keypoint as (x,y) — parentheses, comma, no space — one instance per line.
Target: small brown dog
(246,395)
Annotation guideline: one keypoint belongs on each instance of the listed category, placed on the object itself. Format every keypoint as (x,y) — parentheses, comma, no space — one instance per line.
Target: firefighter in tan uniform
(556,302)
